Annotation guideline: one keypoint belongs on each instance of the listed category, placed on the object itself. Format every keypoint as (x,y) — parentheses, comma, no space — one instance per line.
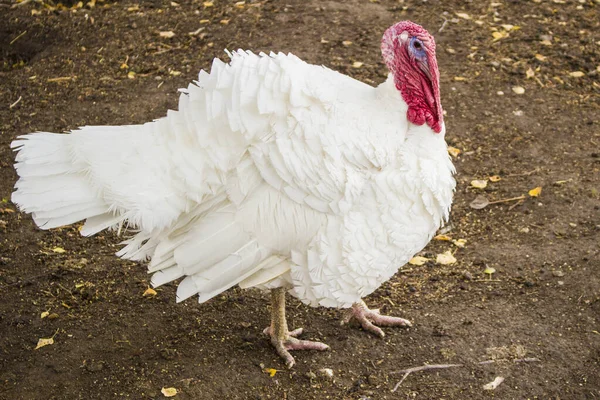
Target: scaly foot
(287,342)
(368,318)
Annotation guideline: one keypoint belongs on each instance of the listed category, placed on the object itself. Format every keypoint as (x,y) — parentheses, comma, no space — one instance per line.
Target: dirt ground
(106,63)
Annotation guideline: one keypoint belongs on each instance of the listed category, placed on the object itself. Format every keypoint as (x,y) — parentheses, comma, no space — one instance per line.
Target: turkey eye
(417,45)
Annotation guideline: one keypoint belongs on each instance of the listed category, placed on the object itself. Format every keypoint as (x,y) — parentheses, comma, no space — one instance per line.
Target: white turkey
(273,173)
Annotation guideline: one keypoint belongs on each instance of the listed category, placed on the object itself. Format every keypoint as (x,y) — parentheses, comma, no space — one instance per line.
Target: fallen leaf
(508,27)
(454,152)
(495,178)
(460,78)
(224,21)
(131,75)
(540,57)
(479,203)
(460,242)
(168,392)
(576,74)
(149,292)
(166,34)
(529,73)
(479,183)
(463,15)
(346,43)
(134,8)
(498,35)
(270,371)
(442,237)
(445,258)
(44,342)
(208,4)
(546,42)
(418,260)
(518,89)
(204,21)
(324,40)
(489,270)
(45,314)
(535,192)
(6,210)
(59,250)
(357,64)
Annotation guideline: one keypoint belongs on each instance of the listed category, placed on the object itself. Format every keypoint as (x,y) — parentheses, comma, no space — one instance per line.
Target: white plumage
(273,173)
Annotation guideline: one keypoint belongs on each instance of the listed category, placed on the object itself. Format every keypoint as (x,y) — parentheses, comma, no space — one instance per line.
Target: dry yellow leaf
(460,242)
(131,75)
(535,192)
(508,27)
(204,21)
(497,35)
(445,258)
(518,89)
(44,342)
(149,292)
(224,22)
(45,314)
(489,270)
(208,4)
(166,34)
(346,43)
(357,64)
(495,178)
(168,392)
(479,183)
(460,78)
(59,250)
(442,237)
(418,260)
(134,8)
(454,152)
(463,15)
(576,74)
(529,73)
(540,57)
(546,42)
(270,371)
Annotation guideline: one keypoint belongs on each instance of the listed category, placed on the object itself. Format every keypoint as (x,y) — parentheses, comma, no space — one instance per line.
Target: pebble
(94,366)
(468,276)
(326,373)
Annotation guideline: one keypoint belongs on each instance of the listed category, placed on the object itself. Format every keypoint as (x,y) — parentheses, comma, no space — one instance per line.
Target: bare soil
(108,64)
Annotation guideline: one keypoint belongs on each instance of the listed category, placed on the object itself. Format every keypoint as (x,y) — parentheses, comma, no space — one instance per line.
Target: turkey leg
(281,338)
(368,319)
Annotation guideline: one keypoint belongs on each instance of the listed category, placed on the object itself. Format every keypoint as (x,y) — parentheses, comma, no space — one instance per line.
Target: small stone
(94,366)
(311,375)
(468,276)
(524,230)
(326,373)
(558,273)
(373,380)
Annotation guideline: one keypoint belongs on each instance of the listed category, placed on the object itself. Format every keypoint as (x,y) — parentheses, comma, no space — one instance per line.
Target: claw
(284,346)
(368,318)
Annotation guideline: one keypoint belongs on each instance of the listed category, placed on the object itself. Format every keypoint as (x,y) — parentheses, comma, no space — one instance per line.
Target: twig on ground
(15,103)
(18,37)
(421,368)
(426,367)
(443,25)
